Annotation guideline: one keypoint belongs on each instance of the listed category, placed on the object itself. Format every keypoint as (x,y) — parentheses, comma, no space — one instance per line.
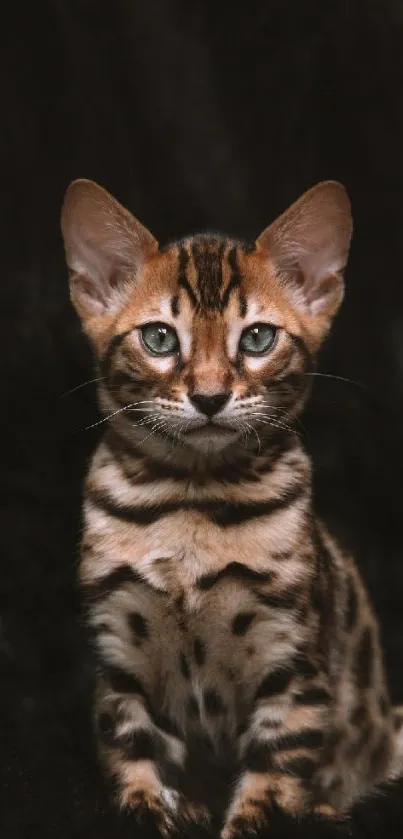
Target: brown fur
(232,634)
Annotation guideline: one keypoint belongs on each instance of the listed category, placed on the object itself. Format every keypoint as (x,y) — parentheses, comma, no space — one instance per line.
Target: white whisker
(271,422)
(247,405)
(251,427)
(267,415)
(131,407)
(337,378)
(105,419)
(244,431)
(83,384)
(154,429)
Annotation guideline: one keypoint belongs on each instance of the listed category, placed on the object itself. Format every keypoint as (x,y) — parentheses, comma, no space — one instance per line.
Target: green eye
(258,339)
(159,338)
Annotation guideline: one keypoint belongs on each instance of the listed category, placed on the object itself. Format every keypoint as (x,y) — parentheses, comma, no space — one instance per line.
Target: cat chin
(205,441)
(210,439)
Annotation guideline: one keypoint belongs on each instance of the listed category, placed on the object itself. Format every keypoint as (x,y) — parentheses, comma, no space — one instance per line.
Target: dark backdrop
(195,114)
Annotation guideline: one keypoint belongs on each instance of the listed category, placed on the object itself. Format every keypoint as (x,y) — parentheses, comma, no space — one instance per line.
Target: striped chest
(202,591)
(173,546)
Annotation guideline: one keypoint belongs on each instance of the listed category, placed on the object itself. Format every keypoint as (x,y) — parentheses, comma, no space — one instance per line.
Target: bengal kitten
(239,665)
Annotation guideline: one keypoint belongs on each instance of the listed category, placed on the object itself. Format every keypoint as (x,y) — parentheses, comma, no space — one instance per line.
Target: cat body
(239,665)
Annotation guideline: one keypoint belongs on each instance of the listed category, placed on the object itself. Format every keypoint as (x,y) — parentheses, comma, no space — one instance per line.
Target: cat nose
(209,404)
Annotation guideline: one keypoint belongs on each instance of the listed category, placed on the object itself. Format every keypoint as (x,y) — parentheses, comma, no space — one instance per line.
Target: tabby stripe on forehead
(175,305)
(183,281)
(207,260)
(223,513)
(183,258)
(235,282)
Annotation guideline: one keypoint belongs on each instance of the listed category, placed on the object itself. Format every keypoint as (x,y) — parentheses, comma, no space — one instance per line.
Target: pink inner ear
(299,278)
(104,246)
(311,287)
(326,286)
(116,278)
(87,287)
(308,246)
(86,295)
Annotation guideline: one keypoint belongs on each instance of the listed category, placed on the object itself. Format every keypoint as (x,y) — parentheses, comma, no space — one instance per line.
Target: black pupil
(162,334)
(255,335)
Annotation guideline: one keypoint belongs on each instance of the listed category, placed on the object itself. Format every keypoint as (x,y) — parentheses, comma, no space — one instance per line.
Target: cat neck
(146,458)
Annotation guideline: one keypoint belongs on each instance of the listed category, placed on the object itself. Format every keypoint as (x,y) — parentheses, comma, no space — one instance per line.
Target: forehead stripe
(235,282)
(207,260)
(183,281)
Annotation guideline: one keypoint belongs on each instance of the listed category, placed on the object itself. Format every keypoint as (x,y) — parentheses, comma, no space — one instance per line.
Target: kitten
(239,665)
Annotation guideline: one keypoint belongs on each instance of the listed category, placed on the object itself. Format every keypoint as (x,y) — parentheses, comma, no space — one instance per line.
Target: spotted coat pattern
(238,656)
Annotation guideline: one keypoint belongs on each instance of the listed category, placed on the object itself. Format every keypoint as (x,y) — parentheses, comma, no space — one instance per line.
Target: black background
(195,115)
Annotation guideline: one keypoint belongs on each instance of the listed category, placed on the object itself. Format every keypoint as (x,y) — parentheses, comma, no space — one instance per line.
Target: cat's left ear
(309,245)
(105,247)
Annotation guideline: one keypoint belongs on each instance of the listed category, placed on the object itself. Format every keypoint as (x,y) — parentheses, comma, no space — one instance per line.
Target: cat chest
(200,654)
(199,614)
(223,647)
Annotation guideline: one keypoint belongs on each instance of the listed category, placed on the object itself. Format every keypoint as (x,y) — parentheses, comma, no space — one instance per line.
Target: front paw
(193,817)
(165,813)
(154,812)
(248,820)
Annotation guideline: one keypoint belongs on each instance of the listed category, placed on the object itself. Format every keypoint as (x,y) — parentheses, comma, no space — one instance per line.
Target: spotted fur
(239,663)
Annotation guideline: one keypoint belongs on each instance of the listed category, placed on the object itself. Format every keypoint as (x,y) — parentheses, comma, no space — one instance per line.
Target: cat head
(208,341)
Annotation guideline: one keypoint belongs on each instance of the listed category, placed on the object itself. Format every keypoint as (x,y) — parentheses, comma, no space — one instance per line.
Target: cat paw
(193,816)
(154,812)
(248,820)
(165,813)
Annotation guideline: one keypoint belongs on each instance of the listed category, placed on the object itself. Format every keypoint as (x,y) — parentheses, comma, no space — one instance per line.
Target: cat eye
(159,338)
(258,339)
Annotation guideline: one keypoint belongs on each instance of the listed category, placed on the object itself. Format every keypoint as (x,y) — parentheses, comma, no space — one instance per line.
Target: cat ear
(105,247)
(309,247)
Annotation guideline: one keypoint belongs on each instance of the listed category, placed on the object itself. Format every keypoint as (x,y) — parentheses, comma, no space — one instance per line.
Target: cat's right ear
(105,248)
(308,246)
